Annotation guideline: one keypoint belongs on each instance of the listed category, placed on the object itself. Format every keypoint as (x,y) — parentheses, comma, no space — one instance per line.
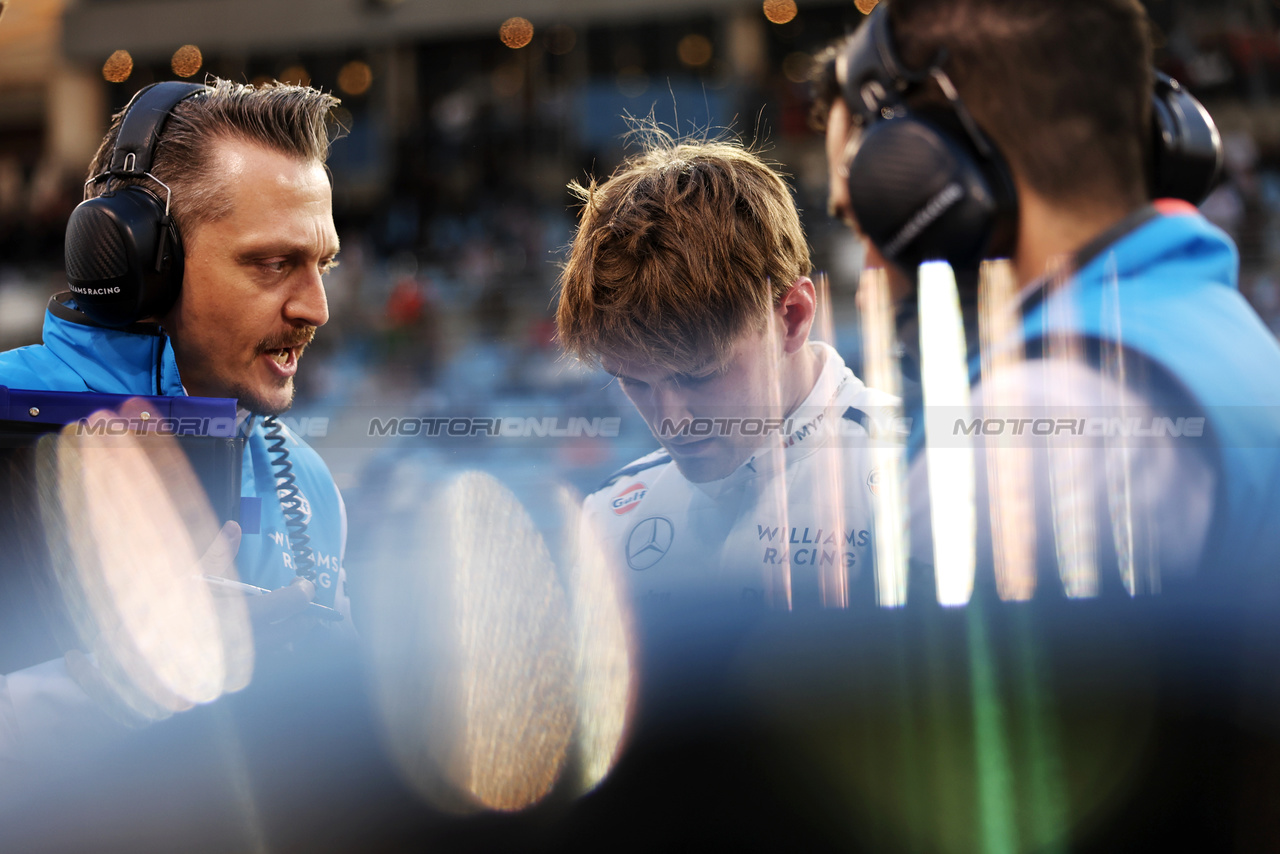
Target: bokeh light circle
(782,11)
(296,75)
(118,67)
(516,32)
(694,50)
(187,60)
(865,6)
(797,67)
(355,77)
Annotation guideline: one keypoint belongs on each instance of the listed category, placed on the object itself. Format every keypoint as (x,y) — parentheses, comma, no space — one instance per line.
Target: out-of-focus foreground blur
(504,694)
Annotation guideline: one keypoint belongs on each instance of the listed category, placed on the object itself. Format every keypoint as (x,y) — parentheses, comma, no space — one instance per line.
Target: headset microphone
(123,252)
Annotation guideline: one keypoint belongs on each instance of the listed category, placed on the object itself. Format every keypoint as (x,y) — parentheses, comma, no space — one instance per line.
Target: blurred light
(882,372)
(507,80)
(473,662)
(295,75)
(355,77)
(833,577)
(694,50)
(561,39)
(516,32)
(118,67)
(770,465)
(944,381)
(602,641)
(1071,467)
(797,67)
(865,6)
(1011,498)
(127,522)
(187,60)
(780,11)
(1133,527)
(632,81)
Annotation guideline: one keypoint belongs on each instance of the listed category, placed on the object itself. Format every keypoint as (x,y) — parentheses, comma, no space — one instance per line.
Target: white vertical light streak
(1071,467)
(944,376)
(1009,465)
(1137,560)
(771,459)
(881,371)
(833,578)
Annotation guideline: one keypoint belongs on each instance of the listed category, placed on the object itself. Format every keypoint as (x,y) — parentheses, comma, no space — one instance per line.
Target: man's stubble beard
(258,406)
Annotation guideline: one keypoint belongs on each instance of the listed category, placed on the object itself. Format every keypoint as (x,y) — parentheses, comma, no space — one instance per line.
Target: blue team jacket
(78,355)
(1176,302)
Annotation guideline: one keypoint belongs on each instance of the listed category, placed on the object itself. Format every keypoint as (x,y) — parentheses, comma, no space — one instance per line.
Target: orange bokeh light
(780,11)
(187,60)
(516,32)
(118,67)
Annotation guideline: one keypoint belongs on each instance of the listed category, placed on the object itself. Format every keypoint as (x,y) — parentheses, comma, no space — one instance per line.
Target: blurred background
(463,122)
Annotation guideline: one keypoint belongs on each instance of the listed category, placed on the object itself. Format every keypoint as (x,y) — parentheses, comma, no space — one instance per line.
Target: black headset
(123,251)
(928,184)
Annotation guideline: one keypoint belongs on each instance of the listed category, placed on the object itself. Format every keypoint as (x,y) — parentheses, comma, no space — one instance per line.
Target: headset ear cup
(920,191)
(118,267)
(1186,147)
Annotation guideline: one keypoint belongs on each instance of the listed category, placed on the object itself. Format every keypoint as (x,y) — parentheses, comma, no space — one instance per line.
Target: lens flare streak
(945,383)
(881,371)
(1009,468)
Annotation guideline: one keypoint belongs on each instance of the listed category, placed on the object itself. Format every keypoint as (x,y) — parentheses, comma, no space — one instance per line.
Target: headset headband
(139,134)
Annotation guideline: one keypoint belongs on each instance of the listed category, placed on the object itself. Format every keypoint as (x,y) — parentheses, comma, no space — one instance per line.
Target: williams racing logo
(629,498)
(649,542)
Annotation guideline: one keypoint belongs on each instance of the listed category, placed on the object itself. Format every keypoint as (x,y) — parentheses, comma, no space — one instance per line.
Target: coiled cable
(290,500)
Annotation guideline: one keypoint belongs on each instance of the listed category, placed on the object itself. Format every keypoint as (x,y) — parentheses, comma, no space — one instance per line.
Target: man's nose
(308,303)
(671,402)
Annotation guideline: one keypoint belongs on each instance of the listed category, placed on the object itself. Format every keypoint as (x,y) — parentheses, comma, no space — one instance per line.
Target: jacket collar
(137,359)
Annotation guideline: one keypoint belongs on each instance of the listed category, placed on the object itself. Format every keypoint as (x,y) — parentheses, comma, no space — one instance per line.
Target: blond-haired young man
(688,281)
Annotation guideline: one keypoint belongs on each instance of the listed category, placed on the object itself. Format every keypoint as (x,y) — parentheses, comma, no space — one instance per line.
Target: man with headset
(1036,130)
(196,267)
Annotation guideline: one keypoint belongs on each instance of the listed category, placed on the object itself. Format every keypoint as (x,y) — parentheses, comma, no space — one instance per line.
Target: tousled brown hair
(1063,87)
(684,247)
(294,120)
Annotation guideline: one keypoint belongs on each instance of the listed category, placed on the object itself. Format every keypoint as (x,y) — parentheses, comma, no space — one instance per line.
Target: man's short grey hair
(294,120)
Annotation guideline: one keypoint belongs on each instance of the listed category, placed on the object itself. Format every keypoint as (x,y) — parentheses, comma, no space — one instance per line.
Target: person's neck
(1049,233)
(803,371)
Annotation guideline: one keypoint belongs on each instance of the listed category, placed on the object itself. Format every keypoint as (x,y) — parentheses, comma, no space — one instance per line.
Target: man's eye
(273,265)
(629,383)
(327,265)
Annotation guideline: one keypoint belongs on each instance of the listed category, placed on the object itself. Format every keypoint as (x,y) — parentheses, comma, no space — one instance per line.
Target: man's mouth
(284,354)
(284,360)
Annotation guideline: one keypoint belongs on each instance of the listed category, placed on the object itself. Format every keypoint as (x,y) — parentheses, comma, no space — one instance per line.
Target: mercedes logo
(649,540)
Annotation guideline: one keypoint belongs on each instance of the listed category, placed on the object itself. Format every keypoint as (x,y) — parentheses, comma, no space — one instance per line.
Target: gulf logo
(629,498)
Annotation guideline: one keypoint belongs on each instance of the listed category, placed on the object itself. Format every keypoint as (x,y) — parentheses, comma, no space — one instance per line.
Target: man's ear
(796,311)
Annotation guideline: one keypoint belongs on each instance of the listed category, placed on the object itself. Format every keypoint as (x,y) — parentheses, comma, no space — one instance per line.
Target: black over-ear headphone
(927,184)
(123,251)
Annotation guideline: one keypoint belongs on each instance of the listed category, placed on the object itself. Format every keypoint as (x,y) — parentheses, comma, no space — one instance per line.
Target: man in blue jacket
(242,170)
(1035,119)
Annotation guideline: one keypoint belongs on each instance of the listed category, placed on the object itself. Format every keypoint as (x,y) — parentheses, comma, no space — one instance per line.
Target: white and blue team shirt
(791,526)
